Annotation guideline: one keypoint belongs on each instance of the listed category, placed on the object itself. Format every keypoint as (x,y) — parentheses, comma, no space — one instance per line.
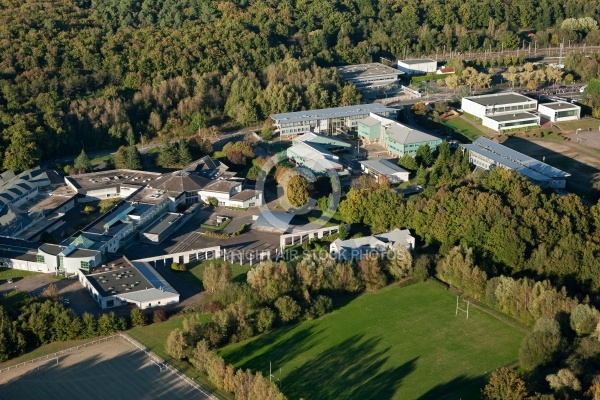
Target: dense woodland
(88,73)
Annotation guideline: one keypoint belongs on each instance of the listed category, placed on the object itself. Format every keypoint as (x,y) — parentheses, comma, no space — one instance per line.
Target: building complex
(350,249)
(370,76)
(398,139)
(487,154)
(329,121)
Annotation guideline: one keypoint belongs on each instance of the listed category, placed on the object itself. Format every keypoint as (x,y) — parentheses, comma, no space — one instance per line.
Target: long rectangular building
(329,121)
(503,111)
(486,154)
(371,75)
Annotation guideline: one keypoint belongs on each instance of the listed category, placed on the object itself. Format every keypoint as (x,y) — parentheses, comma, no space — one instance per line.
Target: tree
(424,156)
(82,162)
(583,319)
(288,308)
(184,155)
(564,381)
(265,319)
(419,108)
(138,318)
(398,263)
(371,273)
(540,346)
(159,316)
(51,292)
(216,277)
(271,280)
(408,162)
(504,384)
(591,94)
(176,345)
(22,153)
(133,158)
(12,342)
(297,191)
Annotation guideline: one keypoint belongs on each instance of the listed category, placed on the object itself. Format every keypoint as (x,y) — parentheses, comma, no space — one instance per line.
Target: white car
(582,89)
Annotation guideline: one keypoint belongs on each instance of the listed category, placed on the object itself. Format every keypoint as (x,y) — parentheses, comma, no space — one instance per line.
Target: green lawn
(44,350)
(6,273)
(463,127)
(195,270)
(584,123)
(399,343)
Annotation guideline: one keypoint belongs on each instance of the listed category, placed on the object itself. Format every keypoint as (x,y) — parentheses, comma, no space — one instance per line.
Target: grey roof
(118,277)
(117,218)
(362,71)
(112,178)
(383,166)
(17,248)
(561,105)
(382,241)
(498,99)
(163,223)
(274,219)
(325,141)
(244,195)
(418,61)
(180,181)
(221,186)
(53,249)
(327,113)
(203,164)
(514,160)
(369,121)
(512,117)
(407,135)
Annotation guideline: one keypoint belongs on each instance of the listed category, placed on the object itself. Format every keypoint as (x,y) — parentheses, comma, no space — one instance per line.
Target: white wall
(490,123)
(470,107)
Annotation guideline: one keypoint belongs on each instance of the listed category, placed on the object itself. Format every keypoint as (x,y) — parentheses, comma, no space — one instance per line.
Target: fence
(162,365)
(58,353)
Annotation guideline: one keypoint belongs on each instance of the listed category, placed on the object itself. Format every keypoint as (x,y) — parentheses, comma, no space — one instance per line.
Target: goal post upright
(458,308)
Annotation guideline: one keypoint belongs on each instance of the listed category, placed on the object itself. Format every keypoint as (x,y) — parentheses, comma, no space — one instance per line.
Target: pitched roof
(221,186)
(383,167)
(180,181)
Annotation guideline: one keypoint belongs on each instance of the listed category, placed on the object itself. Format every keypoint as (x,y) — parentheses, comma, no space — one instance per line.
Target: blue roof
(512,159)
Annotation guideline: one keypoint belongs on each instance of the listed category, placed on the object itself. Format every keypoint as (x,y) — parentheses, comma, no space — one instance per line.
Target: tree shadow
(461,387)
(352,369)
(277,346)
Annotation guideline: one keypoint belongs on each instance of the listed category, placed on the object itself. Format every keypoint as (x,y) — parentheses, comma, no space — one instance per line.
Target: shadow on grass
(458,388)
(279,346)
(352,369)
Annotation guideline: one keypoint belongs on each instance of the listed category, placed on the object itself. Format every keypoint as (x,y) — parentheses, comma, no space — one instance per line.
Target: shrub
(178,267)
(159,316)
(288,308)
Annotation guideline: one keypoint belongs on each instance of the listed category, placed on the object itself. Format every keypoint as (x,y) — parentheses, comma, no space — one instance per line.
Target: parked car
(66,302)
(9,280)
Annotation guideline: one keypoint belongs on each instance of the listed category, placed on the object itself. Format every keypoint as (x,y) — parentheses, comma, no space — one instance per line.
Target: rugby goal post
(462,308)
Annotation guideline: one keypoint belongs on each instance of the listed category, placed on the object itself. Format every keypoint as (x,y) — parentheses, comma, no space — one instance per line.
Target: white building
(486,154)
(314,157)
(377,244)
(559,111)
(370,76)
(380,167)
(502,111)
(121,282)
(418,66)
(329,121)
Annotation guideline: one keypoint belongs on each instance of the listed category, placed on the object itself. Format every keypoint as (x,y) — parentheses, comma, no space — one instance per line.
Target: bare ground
(113,369)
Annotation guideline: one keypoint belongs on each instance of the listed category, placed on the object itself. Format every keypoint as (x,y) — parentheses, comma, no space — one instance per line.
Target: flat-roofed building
(162,228)
(418,66)
(370,76)
(314,157)
(328,143)
(378,168)
(329,121)
(486,154)
(502,111)
(559,111)
(506,122)
(120,282)
(398,139)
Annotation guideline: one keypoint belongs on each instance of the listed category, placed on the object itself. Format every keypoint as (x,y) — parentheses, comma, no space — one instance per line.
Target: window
(85,265)
(39,258)
(110,303)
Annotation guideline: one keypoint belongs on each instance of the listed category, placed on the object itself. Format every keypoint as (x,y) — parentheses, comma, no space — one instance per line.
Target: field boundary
(162,365)
(56,354)
(165,365)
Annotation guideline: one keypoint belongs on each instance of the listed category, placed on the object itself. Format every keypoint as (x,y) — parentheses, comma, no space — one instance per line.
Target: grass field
(584,123)
(399,343)
(464,127)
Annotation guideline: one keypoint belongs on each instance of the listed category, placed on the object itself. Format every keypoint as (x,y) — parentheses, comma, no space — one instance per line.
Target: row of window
(502,109)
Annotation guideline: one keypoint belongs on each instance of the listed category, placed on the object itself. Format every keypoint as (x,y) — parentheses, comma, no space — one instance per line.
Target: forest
(88,74)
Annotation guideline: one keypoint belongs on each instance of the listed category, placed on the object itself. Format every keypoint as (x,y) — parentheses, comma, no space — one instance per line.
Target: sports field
(112,369)
(399,343)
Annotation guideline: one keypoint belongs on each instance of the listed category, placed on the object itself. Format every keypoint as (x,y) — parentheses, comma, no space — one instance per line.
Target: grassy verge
(217,227)
(398,343)
(10,273)
(44,351)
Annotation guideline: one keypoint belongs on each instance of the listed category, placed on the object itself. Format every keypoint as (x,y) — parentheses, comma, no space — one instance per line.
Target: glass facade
(567,113)
(39,258)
